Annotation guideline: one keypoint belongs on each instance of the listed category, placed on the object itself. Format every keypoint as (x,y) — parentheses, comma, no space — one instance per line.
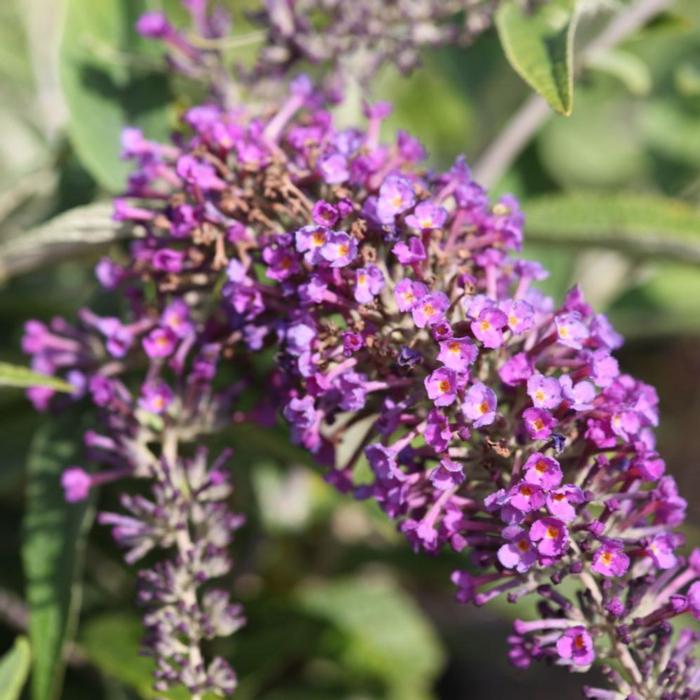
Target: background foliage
(338,606)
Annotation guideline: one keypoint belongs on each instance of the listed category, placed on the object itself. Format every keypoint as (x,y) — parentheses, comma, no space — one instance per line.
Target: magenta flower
(369,281)
(325,214)
(538,423)
(516,370)
(160,342)
(576,646)
(543,471)
(76,483)
(395,197)
(457,353)
(479,405)
(526,497)
(156,396)
(610,559)
(447,475)
(488,328)
(430,309)
(441,386)
(411,252)
(562,502)
(551,536)
(545,392)
(518,553)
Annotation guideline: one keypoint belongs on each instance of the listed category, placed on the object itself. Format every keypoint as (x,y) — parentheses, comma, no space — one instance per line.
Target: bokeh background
(338,606)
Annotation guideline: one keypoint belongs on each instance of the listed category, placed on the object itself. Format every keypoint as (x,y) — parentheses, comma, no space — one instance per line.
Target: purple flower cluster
(494,422)
(340,40)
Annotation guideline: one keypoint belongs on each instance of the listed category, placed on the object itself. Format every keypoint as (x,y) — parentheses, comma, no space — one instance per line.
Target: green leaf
(14,667)
(52,553)
(110,78)
(642,225)
(389,636)
(22,377)
(539,46)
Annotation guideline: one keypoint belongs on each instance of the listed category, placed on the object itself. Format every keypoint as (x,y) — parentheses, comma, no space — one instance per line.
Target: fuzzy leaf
(637,224)
(387,633)
(539,46)
(110,78)
(22,377)
(52,553)
(14,667)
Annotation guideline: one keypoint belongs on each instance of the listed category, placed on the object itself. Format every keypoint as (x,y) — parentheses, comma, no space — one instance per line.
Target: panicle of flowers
(492,421)
(336,39)
(188,519)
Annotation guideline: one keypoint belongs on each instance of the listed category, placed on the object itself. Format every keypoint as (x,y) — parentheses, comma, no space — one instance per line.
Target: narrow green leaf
(110,79)
(646,225)
(52,553)
(22,377)
(14,667)
(539,46)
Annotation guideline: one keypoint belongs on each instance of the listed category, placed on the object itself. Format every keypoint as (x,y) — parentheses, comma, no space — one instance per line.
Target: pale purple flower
(610,560)
(334,168)
(160,342)
(479,405)
(408,293)
(340,249)
(562,502)
(411,252)
(545,392)
(441,386)
(156,397)
(516,370)
(661,550)
(579,395)
(551,536)
(526,497)
(518,553)
(542,470)
(430,309)
(427,216)
(520,315)
(488,327)
(395,197)
(369,281)
(457,353)
(447,475)
(538,423)
(76,483)
(571,331)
